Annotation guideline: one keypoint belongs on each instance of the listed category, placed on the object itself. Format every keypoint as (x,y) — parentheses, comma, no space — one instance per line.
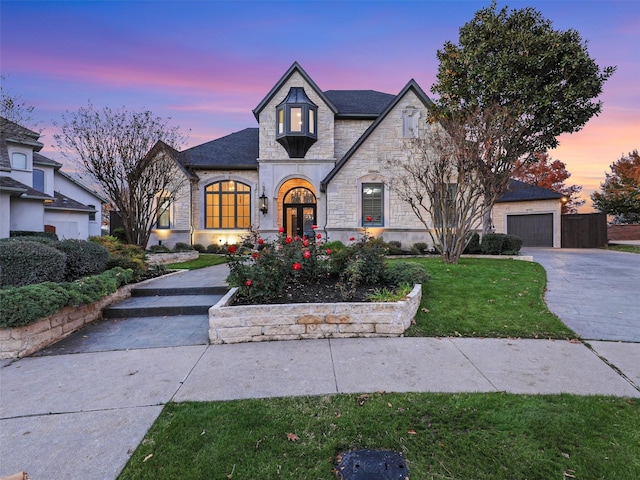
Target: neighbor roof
(14,133)
(8,184)
(42,160)
(237,151)
(63,202)
(520,191)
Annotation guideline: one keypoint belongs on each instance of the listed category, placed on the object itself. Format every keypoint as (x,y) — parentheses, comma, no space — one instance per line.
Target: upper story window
(92,215)
(38,180)
(18,161)
(410,118)
(227,205)
(296,124)
(373,204)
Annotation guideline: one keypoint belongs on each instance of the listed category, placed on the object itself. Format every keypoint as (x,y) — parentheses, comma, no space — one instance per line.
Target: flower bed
(255,323)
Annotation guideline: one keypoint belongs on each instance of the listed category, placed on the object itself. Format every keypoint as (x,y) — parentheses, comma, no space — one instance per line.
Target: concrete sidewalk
(82,415)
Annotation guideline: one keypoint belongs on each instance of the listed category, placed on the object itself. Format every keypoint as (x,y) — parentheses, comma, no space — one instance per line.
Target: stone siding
(256,323)
(174,257)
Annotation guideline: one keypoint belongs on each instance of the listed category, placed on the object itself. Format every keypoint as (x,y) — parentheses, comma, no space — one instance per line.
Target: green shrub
(419,248)
(31,238)
(83,258)
(213,248)
(182,247)
(473,247)
(118,233)
(24,233)
(24,305)
(23,262)
(334,246)
(405,273)
(199,248)
(123,255)
(492,243)
(511,245)
(395,247)
(159,249)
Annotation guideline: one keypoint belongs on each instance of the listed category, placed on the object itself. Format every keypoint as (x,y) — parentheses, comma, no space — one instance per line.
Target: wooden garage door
(535,230)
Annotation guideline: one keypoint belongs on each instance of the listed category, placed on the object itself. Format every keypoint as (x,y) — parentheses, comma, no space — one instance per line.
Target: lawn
(486,298)
(625,248)
(454,436)
(203,260)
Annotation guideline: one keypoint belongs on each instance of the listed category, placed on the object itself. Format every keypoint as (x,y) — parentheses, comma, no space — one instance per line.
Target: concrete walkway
(81,415)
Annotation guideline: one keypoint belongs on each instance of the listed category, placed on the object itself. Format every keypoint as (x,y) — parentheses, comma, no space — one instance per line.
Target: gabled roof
(520,192)
(359,103)
(276,88)
(42,160)
(411,86)
(237,151)
(11,132)
(171,152)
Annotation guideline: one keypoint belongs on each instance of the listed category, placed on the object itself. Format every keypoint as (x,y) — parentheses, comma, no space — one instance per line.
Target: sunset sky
(207,64)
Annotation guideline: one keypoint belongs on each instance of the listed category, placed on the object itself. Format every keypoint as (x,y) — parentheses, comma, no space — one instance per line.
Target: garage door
(535,230)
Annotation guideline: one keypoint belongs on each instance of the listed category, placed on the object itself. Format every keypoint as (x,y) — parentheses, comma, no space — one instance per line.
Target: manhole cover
(365,464)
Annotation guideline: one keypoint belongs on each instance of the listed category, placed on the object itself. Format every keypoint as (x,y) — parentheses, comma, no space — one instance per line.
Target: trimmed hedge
(23,262)
(511,245)
(500,244)
(473,247)
(405,273)
(83,258)
(26,233)
(25,305)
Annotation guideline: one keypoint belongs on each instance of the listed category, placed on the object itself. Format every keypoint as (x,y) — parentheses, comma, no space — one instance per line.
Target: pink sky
(207,64)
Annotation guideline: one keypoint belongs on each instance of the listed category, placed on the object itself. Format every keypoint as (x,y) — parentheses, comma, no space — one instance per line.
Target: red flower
(254,254)
(306,254)
(260,241)
(297,266)
(328,251)
(351,239)
(231,249)
(289,240)
(314,227)
(319,235)
(297,238)
(248,283)
(369,218)
(281,230)
(305,243)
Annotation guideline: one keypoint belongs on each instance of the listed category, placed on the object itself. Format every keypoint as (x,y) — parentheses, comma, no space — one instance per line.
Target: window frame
(163,217)
(33,179)
(366,210)
(13,162)
(222,194)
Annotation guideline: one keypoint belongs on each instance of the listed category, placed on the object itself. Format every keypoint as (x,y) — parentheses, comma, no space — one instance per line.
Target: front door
(299,212)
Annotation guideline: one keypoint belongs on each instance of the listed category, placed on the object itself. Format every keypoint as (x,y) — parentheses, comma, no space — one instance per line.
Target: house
(36,195)
(316,158)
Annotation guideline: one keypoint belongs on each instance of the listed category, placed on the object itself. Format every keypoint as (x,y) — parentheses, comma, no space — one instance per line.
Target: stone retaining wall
(623,232)
(256,323)
(174,257)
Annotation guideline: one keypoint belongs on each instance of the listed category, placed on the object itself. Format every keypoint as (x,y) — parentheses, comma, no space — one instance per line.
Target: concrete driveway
(595,292)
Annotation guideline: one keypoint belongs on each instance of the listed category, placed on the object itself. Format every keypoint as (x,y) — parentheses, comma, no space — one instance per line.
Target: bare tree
(131,155)
(439,180)
(14,108)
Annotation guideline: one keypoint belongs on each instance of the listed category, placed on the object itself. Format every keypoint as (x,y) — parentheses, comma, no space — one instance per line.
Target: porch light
(296,123)
(264,202)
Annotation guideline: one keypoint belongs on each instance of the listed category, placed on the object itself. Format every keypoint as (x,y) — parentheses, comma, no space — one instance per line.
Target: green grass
(625,248)
(486,298)
(442,436)
(204,260)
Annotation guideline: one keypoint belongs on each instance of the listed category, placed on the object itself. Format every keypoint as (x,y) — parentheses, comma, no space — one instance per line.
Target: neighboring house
(316,158)
(36,195)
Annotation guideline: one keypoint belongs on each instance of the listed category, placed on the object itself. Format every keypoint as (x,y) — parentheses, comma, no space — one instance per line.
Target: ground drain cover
(365,464)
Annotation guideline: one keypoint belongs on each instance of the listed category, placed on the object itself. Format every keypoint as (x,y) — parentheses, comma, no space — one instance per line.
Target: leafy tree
(620,192)
(552,174)
(131,156)
(542,79)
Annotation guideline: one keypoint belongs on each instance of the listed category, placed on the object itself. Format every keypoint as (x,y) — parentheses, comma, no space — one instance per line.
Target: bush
(24,233)
(23,262)
(24,305)
(30,238)
(213,248)
(182,247)
(123,255)
(199,248)
(492,243)
(118,233)
(159,249)
(83,258)
(419,248)
(511,245)
(405,273)
(395,247)
(473,247)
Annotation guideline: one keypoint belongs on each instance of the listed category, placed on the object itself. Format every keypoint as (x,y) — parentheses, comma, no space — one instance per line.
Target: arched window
(227,205)
(18,161)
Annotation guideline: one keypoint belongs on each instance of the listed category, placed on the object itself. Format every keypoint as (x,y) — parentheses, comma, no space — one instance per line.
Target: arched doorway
(299,212)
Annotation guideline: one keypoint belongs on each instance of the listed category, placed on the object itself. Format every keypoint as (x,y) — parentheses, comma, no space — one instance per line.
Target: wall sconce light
(264,202)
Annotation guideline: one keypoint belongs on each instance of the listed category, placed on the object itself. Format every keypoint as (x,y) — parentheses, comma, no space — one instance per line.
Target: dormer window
(296,123)
(18,161)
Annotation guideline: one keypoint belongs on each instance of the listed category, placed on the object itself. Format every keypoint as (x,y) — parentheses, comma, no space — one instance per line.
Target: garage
(536,230)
